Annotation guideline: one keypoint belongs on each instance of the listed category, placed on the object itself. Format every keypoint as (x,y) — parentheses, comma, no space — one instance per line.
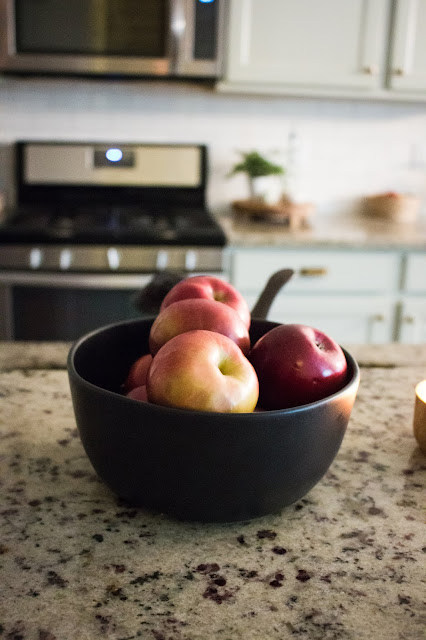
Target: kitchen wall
(347,148)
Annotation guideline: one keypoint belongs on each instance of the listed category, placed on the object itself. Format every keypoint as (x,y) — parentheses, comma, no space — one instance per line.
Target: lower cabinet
(346,319)
(412,321)
(356,296)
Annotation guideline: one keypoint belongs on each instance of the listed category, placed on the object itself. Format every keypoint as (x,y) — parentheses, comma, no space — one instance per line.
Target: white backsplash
(348,148)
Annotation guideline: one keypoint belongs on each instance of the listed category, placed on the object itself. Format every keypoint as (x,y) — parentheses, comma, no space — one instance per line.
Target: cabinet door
(415,273)
(412,326)
(408,57)
(325,43)
(348,320)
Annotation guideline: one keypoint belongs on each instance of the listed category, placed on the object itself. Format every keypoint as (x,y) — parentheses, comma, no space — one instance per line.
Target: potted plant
(263,175)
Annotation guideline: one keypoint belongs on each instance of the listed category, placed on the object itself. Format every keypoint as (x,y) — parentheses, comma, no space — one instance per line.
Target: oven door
(64,307)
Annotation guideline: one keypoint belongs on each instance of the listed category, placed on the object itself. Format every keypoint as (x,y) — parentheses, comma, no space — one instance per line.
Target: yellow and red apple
(202,370)
(138,393)
(138,373)
(198,313)
(209,288)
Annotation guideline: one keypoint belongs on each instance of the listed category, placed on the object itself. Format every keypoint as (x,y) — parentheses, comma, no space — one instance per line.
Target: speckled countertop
(346,562)
(345,231)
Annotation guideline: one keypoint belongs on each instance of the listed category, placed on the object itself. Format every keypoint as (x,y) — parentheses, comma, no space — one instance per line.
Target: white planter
(266,188)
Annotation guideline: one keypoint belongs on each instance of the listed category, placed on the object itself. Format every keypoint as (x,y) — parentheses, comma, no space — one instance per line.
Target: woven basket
(396,207)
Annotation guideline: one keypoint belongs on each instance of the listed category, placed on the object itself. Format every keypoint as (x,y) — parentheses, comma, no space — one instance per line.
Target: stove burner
(114,224)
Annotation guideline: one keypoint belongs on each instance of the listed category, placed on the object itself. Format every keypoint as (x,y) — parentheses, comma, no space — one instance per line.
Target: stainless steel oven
(92,225)
(112,37)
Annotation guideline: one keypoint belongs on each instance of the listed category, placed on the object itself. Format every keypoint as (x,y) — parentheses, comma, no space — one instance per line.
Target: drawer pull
(379,317)
(408,319)
(371,70)
(313,272)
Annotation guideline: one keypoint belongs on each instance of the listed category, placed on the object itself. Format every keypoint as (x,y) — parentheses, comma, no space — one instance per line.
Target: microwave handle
(177,32)
(182,38)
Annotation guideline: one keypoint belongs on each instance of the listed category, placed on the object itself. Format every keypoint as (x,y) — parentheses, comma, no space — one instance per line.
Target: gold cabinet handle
(370,70)
(408,319)
(399,71)
(378,317)
(313,272)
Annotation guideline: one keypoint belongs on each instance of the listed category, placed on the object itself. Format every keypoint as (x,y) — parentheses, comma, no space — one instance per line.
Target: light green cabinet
(356,296)
(365,48)
(326,43)
(412,315)
(407,70)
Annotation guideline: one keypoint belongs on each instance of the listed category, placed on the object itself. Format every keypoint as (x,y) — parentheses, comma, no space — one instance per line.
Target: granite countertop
(346,231)
(346,562)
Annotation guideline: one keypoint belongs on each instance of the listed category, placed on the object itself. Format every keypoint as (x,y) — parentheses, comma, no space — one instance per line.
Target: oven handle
(75,280)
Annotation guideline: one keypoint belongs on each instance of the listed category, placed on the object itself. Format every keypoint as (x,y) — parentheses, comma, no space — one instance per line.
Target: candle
(419,422)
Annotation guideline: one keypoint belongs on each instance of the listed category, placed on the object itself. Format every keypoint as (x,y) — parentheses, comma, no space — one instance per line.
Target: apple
(138,393)
(297,364)
(205,371)
(209,288)
(198,313)
(392,194)
(138,372)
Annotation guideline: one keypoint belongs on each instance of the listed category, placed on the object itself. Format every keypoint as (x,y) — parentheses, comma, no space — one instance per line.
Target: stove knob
(113,257)
(65,259)
(162,259)
(36,257)
(190,260)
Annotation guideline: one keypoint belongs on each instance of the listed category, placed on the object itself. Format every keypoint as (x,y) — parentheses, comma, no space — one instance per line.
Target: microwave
(123,38)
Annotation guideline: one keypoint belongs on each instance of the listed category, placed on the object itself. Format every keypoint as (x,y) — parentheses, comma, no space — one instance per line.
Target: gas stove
(101,208)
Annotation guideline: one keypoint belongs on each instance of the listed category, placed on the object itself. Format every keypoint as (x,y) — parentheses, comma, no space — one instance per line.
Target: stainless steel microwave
(112,37)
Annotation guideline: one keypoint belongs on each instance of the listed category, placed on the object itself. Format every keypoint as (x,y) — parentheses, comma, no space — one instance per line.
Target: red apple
(138,372)
(296,365)
(204,371)
(138,393)
(197,313)
(209,288)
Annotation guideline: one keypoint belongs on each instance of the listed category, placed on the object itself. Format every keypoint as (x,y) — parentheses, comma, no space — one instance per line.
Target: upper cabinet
(364,47)
(407,66)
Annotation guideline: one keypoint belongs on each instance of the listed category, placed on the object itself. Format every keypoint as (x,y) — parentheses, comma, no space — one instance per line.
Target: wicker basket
(397,207)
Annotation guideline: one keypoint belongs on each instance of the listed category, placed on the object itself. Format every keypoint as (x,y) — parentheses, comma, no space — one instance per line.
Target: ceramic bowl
(194,465)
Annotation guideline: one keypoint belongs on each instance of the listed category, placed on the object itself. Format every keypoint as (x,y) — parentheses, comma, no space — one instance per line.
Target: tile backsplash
(347,148)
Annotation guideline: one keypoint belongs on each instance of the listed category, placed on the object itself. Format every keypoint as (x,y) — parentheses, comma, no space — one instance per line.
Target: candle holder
(419,422)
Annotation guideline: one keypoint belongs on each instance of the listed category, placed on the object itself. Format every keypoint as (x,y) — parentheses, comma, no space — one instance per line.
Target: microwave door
(127,37)
(198,37)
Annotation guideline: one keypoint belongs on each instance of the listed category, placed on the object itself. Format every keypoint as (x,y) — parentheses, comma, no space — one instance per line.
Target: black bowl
(195,465)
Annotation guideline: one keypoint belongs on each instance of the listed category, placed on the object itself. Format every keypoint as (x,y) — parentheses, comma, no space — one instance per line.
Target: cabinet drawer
(318,271)
(415,273)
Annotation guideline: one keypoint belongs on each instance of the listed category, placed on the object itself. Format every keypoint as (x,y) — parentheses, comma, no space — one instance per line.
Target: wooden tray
(295,215)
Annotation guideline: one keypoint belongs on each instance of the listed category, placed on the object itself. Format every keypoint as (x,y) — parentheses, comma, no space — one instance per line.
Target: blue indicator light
(206,1)
(114,155)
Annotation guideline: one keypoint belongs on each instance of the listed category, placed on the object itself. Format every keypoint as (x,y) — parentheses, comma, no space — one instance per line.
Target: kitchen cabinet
(415,273)
(295,42)
(412,323)
(357,319)
(408,47)
(356,296)
(412,312)
(357,47)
